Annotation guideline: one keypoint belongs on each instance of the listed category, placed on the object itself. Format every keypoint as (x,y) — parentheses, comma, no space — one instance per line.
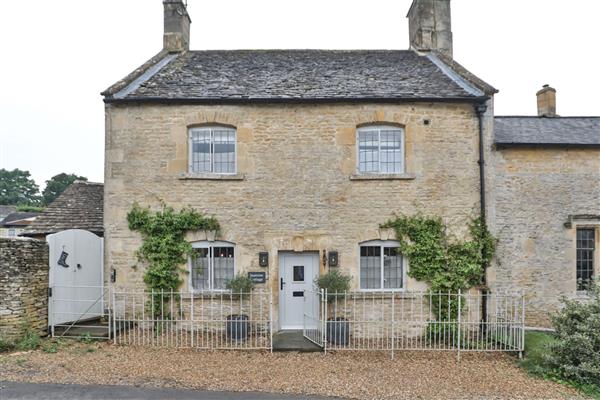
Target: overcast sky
(57,55)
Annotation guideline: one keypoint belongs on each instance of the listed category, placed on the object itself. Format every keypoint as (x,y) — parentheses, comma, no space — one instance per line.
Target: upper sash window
(212,150)
(380,149)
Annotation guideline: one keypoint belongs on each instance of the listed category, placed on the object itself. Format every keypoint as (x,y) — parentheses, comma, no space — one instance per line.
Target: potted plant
(237,326)
(336,283)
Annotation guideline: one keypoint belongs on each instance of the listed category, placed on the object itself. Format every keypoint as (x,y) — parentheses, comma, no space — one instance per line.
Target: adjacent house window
(381,266)
(212,265)
(212,150)
(586,246)
(380,150)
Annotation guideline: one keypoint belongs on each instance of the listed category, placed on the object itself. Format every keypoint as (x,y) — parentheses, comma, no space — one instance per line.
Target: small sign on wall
(257,277)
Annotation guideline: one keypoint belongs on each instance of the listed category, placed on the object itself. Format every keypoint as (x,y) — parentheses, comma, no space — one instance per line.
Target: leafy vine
(164,247)
(446,265)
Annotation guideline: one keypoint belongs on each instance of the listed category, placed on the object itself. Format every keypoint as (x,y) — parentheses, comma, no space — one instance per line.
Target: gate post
(324,303)
(114,320)
(393,322)
(459,316)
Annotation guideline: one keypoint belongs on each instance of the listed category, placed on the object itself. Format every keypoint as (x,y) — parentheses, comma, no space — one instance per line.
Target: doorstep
(293,340)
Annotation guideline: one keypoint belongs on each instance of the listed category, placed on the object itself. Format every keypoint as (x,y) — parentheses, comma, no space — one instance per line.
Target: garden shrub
(241,284)
(334,281)
(575,354)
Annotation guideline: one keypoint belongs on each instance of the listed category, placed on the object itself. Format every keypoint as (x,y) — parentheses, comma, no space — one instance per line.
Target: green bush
(5,345)
(576,353)
(30,340)
(334,281)
(240,284)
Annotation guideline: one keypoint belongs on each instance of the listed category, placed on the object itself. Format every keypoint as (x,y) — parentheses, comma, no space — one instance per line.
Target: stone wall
(535,190)
(295,189)
(23,286)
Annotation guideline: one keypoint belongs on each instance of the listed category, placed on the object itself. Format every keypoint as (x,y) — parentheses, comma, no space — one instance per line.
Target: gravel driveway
(411,375)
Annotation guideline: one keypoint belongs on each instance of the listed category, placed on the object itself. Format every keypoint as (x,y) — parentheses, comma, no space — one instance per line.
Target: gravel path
(411,375)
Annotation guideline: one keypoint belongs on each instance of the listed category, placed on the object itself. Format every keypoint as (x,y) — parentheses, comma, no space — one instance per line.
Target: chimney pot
(177,22)
(546,101)
(429,25)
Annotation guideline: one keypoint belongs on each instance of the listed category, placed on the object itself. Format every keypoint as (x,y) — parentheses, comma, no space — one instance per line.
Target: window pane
(391,151)
(298,273)
(392,268)
(222,266)
(200,144)
(370,267)
(368,151)
(224,150)
(586,243)
(200,269)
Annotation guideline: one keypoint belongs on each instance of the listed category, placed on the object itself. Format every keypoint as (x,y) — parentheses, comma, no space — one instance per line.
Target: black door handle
(281,287)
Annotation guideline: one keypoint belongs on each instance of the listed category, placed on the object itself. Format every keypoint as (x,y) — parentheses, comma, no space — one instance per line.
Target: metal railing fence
(203,320)
(391,321)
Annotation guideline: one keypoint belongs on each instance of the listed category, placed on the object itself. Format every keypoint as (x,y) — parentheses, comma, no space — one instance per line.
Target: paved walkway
(37,391)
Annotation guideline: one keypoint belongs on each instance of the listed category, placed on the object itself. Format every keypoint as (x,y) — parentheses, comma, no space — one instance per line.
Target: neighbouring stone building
(302,154)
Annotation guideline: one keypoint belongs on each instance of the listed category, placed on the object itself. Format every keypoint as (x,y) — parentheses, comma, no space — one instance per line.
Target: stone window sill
(379,177)
(213,177)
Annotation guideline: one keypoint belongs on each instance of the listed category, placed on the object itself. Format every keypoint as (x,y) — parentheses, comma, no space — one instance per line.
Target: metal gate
(314,312)
(76,294)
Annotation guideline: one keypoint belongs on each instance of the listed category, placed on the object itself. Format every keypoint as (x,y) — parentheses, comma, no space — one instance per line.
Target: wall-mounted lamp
(333,259)
(324,258)
(263,259)
(113,275)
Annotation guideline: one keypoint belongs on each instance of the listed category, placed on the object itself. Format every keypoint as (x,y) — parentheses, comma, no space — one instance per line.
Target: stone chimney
(546,102)
(429,26)
(177,26)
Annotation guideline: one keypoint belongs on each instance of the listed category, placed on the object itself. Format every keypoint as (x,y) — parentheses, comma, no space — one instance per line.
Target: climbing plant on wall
(164,247)
(446,264)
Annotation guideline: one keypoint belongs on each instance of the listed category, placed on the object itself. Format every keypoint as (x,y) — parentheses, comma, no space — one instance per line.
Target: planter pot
(338,331)
(237,327)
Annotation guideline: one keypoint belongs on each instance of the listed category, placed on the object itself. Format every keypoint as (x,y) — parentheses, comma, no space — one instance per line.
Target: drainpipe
(480,110)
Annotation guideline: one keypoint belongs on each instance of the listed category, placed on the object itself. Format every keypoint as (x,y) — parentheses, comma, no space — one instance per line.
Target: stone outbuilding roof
(6,210)
(80,206)
(240,76)
(19,219)
(555,131)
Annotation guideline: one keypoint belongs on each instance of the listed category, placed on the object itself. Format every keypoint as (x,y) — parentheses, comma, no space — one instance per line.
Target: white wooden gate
(75,277)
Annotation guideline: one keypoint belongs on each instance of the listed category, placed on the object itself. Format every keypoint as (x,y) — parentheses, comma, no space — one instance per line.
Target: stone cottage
(302,154)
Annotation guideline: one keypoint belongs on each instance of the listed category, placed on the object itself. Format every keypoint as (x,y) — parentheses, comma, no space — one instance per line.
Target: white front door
(297,273)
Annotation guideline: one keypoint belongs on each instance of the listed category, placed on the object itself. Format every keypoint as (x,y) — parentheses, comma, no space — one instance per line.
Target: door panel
(297,273)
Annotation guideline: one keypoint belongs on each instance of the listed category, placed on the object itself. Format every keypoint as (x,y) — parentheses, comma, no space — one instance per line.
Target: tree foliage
(57,184)
(17,188)
(164,247)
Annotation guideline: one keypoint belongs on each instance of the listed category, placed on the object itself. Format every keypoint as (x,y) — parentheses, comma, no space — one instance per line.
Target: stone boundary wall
(23,286)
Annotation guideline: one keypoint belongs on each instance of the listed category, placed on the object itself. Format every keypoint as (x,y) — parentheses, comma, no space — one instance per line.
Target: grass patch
(537,362)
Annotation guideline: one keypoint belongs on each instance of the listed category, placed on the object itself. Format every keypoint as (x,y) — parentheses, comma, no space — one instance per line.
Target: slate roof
(297,76)
(557,131)
(5,210)
(80,206)
(11,219)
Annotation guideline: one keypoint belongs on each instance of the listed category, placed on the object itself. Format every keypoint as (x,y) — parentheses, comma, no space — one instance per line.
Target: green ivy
(446,265)
(164,247)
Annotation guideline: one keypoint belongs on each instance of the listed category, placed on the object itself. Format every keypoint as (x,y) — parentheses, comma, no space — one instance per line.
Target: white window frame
(204,244)
(403,260)
(211,128)
(379,128)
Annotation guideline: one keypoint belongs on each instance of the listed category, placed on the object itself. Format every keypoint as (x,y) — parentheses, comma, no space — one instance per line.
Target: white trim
(378,129)
(403,260)
(450,73)
(204,244)
(211,128)
(147,75)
